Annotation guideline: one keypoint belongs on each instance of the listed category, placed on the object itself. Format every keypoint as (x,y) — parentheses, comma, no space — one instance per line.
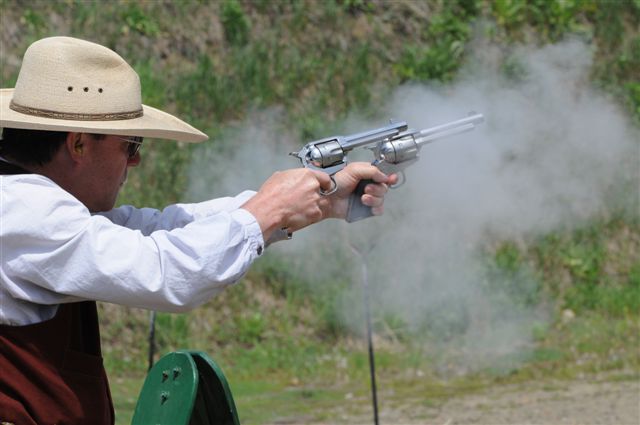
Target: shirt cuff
(253,233)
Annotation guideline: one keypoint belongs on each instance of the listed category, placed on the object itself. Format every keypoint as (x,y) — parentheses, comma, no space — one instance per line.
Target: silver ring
(331,191)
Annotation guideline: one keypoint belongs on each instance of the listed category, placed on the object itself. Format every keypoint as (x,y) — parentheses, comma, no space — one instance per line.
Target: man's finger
(366,171)
(377,189)
(372,201)
(326,184)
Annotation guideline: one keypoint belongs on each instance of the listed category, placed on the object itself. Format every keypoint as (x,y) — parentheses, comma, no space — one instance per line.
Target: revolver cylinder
(399,150)
(326,154)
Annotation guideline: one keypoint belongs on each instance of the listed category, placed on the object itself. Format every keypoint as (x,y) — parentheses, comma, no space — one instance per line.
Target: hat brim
(154,123)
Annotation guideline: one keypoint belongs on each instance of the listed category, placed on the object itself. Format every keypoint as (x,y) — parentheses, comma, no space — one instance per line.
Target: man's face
(106,170)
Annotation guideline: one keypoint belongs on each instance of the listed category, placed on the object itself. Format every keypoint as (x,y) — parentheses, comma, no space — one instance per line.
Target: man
(73,126)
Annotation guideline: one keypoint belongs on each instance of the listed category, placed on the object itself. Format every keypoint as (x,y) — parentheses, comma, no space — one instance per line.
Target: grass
(336,382)
(125,390)
(268,334)
(243,55)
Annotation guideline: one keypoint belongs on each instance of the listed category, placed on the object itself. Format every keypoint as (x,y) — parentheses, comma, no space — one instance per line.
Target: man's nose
(134,160)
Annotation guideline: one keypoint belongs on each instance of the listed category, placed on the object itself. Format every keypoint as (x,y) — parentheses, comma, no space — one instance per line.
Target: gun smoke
(552,154)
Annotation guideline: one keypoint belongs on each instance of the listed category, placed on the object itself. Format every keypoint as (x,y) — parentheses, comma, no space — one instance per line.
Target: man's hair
(33,147)
(30,147)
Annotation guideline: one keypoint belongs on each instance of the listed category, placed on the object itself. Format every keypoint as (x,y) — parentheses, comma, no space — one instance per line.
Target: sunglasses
(135,143)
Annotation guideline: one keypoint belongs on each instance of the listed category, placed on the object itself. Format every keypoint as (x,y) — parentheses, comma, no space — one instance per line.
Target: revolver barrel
(373,136)
(449,129)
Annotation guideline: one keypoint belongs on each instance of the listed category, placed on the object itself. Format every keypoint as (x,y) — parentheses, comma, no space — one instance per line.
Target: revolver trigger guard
(401,181)
(331,191)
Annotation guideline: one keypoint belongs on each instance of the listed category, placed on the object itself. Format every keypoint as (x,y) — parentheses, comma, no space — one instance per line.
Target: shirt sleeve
(54,251)
(148,220)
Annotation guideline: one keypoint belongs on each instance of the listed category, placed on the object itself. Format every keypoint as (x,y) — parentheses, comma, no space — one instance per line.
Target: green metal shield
(185,388)
(169,392)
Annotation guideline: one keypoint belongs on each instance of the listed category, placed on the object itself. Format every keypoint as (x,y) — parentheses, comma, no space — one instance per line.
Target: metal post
(152,338)
(367,313)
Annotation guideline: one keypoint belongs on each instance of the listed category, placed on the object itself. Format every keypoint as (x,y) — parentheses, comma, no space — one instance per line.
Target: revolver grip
(357,210)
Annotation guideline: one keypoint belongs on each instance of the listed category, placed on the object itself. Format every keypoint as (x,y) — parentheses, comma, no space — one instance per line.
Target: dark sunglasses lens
(134,148)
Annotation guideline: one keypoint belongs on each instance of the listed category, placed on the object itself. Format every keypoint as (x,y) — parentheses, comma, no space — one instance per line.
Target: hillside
(510,260)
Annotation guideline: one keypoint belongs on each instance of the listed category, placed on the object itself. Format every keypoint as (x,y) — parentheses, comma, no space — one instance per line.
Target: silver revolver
(395,147)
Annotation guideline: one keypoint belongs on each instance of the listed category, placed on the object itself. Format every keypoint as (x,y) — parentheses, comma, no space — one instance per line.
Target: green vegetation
(279,338)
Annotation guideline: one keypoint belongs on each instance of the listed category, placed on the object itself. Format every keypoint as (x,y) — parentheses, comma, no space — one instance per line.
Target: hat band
(74,116)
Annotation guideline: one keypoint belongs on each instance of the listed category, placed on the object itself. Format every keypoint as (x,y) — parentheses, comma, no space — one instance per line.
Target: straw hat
(67,84)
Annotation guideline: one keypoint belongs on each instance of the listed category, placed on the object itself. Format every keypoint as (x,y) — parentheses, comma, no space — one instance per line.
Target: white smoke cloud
(550,152)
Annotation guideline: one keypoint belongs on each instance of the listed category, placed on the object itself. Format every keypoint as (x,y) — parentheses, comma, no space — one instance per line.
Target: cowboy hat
(67,84)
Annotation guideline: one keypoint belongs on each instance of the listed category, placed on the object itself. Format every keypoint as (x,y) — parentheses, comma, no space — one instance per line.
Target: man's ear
(75,146)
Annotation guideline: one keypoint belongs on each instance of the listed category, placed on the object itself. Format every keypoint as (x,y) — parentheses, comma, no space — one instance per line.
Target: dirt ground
(574,403)
(535,403)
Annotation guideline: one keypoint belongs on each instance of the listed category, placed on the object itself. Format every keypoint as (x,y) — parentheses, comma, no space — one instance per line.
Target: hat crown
(71,76)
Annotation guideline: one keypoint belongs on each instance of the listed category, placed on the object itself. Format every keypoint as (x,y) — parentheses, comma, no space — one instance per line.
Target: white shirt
(53,251)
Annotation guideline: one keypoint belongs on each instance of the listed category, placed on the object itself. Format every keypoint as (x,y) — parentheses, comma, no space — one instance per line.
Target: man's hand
(347,180)
(291,199)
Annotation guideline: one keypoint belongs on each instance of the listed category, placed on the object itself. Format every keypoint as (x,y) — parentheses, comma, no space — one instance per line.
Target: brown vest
(52,372)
